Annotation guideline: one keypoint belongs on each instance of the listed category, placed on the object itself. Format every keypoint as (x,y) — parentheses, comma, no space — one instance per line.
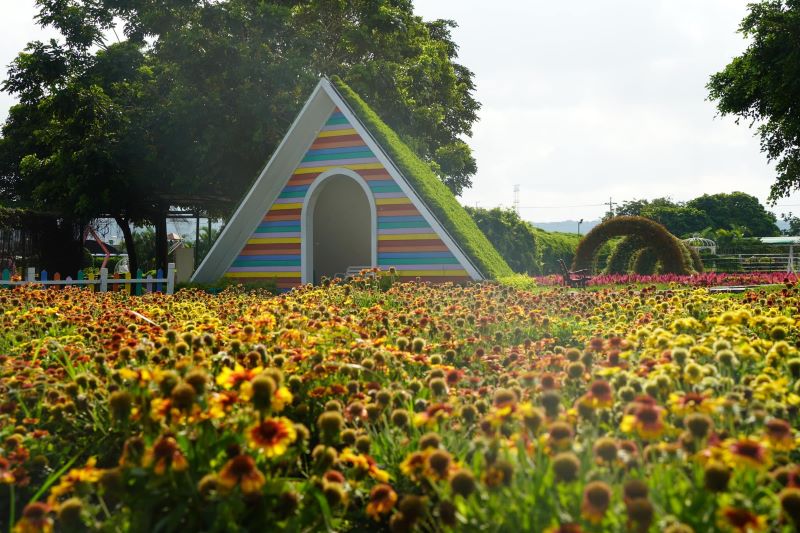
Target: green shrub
(513,237)
(222,284)
(518,281)
(645,261)
(619,262)
(554,245)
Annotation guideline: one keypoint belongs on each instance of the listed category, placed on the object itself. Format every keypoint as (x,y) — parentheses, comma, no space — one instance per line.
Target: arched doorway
(338,225)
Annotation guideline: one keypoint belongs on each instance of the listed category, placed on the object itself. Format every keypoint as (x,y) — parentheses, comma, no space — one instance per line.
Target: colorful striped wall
(405,240)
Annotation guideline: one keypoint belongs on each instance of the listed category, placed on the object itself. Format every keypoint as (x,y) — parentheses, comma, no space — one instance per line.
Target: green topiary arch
(619,262)
(673,257)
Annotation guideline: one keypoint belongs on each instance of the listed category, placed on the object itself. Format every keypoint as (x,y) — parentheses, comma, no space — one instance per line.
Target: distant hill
(567,226)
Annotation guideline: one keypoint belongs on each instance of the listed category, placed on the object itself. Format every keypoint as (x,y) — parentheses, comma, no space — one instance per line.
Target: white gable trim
(473,272)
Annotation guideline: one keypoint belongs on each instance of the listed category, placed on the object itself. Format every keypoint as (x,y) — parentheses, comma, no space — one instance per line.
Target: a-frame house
(342,191)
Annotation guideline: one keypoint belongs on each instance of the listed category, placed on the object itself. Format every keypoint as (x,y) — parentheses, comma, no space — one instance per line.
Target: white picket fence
(103,283)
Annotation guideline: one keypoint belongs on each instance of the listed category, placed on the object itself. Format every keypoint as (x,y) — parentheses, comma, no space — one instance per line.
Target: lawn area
(420,407)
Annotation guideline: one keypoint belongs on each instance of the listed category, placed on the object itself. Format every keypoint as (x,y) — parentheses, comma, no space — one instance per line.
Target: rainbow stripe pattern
(406,242)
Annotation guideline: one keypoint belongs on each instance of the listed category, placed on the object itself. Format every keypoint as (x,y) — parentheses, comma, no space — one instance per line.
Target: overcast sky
(582,100)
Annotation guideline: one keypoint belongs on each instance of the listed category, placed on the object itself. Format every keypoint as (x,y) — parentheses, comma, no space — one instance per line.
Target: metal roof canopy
(783,240)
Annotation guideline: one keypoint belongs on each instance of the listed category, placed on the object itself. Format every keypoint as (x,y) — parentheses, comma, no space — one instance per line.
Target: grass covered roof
(430,189)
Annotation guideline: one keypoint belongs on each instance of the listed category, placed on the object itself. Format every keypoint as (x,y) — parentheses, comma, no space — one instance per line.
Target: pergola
(701,244)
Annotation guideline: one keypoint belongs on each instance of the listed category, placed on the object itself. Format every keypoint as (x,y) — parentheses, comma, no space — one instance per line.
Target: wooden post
(6,277)
(159,283)
(30,275)
(127,285)
(90,277)
(138,291)
(149,284)
(103,279)
(171,278)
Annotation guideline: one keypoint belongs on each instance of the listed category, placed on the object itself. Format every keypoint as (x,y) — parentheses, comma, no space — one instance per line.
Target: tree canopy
(761,86)
(737,210)
(709,212)
(141,106)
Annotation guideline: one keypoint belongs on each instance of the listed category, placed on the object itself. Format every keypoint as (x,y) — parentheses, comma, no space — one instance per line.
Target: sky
(582,101)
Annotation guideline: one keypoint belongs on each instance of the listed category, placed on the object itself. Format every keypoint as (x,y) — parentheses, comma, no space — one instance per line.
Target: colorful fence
(103,282)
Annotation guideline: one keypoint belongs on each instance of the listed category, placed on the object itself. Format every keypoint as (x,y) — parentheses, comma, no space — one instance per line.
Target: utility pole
(611,205)
(516,199)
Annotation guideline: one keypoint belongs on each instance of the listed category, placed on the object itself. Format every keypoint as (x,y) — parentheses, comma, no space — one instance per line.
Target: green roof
(430,189)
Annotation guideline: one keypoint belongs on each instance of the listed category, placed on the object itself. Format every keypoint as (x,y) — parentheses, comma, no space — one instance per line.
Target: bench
(574,278)
(352,271)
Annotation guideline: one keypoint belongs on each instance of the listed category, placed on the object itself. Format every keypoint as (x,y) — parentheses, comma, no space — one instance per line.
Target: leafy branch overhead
(761,86)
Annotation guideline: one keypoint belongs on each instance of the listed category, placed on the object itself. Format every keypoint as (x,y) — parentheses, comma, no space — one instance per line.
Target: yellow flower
(691,402)
(381,500)
(645,421)
(746,452)
(273,436)
(413,466)
(231,378)
(364,463)
(164,454)
(741,520)
(242,471)
(86,475)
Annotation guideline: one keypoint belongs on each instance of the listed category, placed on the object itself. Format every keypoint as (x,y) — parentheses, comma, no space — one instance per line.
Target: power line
(558,206)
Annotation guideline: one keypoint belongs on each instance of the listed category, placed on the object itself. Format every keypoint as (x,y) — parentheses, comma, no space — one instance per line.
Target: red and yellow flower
(241,471)
(272,436)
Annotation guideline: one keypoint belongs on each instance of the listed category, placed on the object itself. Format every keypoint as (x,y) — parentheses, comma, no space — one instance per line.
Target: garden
(413,407)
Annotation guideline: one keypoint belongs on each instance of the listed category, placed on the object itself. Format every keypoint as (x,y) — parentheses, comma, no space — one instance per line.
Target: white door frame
(307,220)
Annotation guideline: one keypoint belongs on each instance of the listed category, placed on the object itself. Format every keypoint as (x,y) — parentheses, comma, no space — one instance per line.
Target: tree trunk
(130,247)
(161,241)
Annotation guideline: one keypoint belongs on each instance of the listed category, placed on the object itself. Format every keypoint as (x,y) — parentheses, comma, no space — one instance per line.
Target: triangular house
(342,191)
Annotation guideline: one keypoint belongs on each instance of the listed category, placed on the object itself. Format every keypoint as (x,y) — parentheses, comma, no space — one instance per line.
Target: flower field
(429,408)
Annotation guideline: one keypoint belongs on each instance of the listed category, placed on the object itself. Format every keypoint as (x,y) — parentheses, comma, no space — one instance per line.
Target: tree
(635,208)
(737,210)
(760,86)
(793,223)
(202,92)
(678,219)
